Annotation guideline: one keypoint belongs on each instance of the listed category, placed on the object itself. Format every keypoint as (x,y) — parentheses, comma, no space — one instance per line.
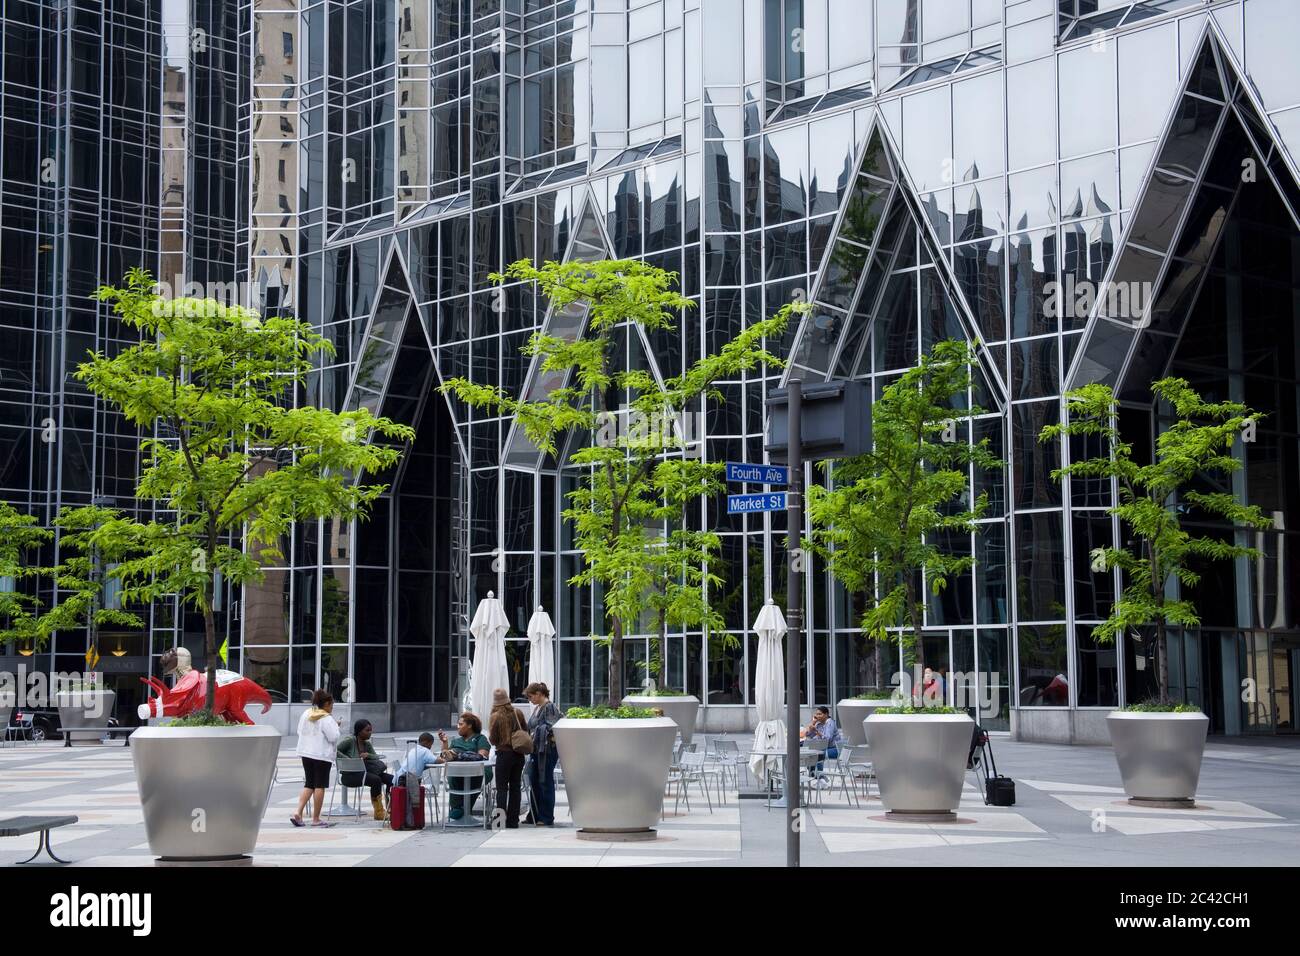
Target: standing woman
(502,724)
(541,772)
(318,738)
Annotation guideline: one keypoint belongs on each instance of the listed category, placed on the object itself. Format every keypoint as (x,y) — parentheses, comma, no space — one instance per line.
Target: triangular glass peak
(589,244)
(384,332)
(1212,149)
(883,294)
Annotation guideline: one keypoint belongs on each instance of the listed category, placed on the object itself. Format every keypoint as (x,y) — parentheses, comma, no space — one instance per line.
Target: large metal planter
(682,710)
(219,777)
(84,708)
(1159,755)
(615,772)
(851,712)
(920,760)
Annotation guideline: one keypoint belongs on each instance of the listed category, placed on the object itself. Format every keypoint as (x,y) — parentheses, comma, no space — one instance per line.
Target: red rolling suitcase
(399,797)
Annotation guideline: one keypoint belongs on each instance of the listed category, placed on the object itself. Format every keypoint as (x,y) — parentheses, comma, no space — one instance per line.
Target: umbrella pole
(794,619)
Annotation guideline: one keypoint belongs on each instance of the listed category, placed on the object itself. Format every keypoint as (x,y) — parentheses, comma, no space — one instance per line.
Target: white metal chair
(804,779)
(727,756)
(690,769)
(837,773)
(344,765)
(862,771)
(432,780)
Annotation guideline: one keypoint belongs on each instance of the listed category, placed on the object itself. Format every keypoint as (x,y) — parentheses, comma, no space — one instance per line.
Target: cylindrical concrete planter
(682,710)
(204,790)
(614,773)
(920,761)
(84,708)
(1159,755)
(851,712)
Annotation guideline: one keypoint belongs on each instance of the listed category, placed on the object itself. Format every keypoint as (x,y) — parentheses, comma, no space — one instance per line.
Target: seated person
(419,757)
(376,775)
(468,744)
(822,727)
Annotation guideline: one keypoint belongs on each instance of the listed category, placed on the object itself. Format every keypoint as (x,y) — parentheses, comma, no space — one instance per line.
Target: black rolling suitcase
(999,791)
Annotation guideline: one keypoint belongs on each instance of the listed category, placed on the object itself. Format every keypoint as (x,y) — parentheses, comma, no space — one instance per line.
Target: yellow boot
(378,804)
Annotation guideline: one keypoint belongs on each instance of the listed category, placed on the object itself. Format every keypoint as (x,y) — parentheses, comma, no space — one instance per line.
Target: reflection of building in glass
(916,169)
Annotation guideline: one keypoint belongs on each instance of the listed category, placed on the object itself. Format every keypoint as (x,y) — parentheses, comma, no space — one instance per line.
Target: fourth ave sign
(758,474)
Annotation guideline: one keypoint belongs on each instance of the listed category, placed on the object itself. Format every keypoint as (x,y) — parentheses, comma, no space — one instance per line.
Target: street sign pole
(794,623)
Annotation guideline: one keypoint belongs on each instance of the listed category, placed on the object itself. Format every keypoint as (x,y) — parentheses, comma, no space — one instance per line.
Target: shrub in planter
(615,763)
(852,711)
(681,708)
(1158,746)
(204,785)
(239,465)
(919,755)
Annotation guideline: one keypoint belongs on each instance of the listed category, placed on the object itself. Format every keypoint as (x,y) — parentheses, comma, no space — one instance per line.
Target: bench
(111,731)
(21,826)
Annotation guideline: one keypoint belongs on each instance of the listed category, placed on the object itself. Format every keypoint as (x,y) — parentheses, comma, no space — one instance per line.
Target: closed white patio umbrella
(489,630)
(769,689)
(541,649)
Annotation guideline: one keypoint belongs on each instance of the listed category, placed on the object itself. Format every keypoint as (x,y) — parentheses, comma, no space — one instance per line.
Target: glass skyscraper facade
(1089,190)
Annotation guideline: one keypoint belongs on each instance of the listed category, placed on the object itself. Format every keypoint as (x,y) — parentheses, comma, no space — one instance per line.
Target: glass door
(1286,693)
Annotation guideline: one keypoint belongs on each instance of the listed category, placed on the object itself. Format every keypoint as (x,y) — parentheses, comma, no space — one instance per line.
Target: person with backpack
(541,769)
(509,735)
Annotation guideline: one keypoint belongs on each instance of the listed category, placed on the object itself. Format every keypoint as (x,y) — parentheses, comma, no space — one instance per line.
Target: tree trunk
(875,653)
(661,652)
(210,651)
(1162,657)
(914,622)
(616,663)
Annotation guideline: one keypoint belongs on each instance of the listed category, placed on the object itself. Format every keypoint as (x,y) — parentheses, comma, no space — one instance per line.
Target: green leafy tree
(681,564)
(229,459)
(615,511)
(80,577)
(21,539)
(1155,501)
(879,527)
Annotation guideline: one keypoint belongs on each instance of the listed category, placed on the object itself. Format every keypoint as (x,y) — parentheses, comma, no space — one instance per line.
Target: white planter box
(204,790)
(851,712)
(683,710)
(1159,755)
(920,760)
(615,771)
(84,708)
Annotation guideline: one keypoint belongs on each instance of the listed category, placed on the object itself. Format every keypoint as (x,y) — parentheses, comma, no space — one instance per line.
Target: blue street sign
(758,474)
(748,504)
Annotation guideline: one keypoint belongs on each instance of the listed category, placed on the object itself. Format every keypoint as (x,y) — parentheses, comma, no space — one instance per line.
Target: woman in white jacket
(318,737)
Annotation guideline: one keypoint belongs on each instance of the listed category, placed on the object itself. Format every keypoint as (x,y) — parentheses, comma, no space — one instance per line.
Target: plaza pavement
(1069,811)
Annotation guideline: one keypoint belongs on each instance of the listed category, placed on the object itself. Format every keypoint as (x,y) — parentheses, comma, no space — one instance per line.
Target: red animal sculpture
(234,693)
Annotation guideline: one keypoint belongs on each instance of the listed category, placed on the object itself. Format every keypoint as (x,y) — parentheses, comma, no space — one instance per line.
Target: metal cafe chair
(344,765)
(837,773)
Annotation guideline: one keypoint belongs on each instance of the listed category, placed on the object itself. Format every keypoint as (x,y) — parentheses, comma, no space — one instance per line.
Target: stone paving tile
(1249,813)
